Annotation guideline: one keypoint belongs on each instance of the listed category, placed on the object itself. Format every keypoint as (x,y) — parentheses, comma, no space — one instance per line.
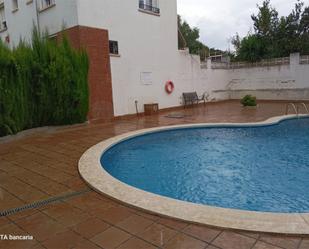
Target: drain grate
(43,202)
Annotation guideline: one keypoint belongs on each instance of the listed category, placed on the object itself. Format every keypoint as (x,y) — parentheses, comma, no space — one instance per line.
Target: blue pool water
(257,168)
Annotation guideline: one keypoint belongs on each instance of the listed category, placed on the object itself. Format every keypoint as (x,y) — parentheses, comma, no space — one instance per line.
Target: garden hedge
(42,83)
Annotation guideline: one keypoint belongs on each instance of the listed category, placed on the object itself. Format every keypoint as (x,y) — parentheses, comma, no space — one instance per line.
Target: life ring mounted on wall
(169,87)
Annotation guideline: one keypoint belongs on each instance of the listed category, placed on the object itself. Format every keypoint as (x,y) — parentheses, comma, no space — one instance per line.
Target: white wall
(62,15)
(147,43)
(20,22)
(276,82)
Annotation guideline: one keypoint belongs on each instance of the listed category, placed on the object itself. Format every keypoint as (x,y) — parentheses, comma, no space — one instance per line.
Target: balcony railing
(3,26)
(45,4)
(150,8)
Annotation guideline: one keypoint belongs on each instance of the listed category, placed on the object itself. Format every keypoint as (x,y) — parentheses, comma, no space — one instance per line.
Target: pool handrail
(294,107)
(302,105)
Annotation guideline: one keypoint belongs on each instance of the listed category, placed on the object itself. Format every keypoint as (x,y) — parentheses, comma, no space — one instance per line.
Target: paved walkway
(44,165)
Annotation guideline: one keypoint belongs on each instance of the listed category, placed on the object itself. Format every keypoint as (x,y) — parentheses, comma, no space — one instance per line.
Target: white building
(143,45)
(133,50)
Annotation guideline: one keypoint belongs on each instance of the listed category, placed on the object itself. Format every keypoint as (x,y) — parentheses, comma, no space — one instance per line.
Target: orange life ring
(169,87)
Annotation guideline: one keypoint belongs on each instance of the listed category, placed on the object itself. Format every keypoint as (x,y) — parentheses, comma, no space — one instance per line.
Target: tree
(304,30)
(266,22)
(236,41)
(252,48)
(274,36)
(188,37)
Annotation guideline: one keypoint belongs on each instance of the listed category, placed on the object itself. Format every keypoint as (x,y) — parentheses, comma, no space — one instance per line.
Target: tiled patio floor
(44,165)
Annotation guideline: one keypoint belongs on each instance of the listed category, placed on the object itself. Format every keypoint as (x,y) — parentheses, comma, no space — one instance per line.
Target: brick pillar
(96,43)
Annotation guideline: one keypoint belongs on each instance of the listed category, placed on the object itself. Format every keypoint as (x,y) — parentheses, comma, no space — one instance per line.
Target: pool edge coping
(93,173)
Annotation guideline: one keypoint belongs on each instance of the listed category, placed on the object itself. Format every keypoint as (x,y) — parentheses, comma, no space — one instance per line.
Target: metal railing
(296,107)
(3,25)
(262,63)
(220,65)
(287,108)
(150,8)
(46,4)
(299,105)
(304,59)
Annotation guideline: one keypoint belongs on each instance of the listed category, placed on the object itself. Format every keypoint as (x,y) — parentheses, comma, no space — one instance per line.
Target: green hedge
(43,83)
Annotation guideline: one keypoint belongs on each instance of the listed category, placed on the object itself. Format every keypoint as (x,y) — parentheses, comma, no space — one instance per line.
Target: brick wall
(96,43)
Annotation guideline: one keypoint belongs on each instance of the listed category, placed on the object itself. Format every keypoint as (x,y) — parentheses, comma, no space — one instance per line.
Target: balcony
(3,26)
(149,8)
(46,4)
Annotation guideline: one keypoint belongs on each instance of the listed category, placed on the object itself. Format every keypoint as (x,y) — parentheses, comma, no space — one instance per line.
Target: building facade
(132,45)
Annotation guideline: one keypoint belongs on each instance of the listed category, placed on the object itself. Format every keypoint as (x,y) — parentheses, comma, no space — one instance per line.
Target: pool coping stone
(93,173)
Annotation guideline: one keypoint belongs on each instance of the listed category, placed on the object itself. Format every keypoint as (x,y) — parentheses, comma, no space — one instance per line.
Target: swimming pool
(131,177)
(250,168)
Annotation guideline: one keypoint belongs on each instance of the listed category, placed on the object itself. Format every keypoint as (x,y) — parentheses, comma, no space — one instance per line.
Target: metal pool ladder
(296,107)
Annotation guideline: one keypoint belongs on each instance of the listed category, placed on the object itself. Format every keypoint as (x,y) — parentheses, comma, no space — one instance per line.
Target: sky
(220,20)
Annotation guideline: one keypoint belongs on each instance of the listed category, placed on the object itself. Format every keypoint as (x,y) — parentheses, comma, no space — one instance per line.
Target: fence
(262,63)
(304,59)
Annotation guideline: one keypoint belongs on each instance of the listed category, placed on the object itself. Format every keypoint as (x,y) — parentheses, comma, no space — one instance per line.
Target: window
(3,25)
(47,3)
(113,47)
(150,5)
(14,5)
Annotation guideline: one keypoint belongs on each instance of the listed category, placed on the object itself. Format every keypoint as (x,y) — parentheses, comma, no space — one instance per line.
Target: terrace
(40,168)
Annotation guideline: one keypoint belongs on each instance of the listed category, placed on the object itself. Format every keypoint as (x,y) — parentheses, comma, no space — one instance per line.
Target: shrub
(248,100)
(42,83)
